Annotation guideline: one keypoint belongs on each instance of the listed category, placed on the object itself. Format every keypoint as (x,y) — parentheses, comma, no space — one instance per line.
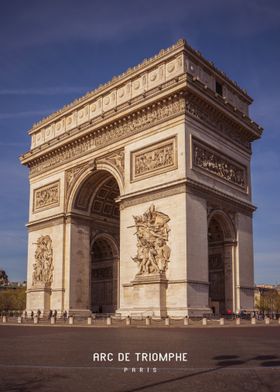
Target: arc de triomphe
(140,195)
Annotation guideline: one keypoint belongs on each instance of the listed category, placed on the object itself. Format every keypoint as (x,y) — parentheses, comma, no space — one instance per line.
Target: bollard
(267,320)
(222,321)
(167,321)
(89,320)
(237,321)
(36,320)
(71,320)
(53,320)
(4,319)
(148,320)
(186,320)
(19,320)
(204,321)
(128,321)
(253,320)
(109,320)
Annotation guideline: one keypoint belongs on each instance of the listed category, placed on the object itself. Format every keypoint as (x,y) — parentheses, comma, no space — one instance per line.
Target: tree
(3,278)
(269,301)
(13,299)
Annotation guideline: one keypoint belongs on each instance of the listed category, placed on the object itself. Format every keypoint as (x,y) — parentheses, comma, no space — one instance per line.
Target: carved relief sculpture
(43,266)
(46,196)
(219,165)
(158,158)
(153,253)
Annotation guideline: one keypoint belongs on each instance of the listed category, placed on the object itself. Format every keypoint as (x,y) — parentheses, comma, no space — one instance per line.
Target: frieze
(126,127)
(155,159)
(46,196)
(215,120)
(219,165)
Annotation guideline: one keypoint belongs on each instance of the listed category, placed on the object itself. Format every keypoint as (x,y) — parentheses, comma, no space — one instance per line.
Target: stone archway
(94,243)
(104,274)
(221,263)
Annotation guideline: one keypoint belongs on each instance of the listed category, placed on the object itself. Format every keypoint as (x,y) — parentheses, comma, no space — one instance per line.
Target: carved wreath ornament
(152,230)
(43,266)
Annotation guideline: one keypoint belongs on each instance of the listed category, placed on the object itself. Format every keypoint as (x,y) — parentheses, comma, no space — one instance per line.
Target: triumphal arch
(140,195)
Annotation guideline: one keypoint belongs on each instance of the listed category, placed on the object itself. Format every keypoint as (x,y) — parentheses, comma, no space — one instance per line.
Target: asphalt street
(37,358)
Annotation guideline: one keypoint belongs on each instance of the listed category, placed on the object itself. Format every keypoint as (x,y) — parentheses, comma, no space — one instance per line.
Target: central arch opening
(96,201)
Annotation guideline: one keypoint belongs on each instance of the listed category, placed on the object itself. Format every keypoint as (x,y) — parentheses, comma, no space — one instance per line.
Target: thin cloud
(99,22)
(28,113)
(60,90)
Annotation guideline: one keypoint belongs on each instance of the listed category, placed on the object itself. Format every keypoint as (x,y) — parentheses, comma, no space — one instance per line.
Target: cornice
(181,44)
(167,65)
(46,222)
(201,90)
(93,139)
(197,186)
(113,116)
(116,80)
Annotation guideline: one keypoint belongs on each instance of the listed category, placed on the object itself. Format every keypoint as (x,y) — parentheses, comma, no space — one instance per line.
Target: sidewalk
(148,322)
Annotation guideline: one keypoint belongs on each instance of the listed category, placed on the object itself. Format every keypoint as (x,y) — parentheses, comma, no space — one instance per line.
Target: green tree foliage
(269,301)
(12,299)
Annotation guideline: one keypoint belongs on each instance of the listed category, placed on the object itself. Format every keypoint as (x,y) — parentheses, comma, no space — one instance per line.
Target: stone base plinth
(79,312)
(38,298)
(145,295)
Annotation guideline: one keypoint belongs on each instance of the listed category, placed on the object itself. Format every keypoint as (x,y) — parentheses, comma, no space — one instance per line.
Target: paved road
(60,359)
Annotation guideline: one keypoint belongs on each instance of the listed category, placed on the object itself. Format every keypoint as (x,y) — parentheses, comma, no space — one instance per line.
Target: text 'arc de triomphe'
(140,195)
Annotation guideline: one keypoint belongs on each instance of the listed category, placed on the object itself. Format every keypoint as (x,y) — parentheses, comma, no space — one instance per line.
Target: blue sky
(51,52)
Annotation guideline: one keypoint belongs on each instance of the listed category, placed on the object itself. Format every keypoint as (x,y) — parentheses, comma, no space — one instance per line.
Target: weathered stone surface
(140,195)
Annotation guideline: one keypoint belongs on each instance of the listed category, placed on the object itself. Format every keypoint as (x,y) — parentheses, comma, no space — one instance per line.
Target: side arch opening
(221,241)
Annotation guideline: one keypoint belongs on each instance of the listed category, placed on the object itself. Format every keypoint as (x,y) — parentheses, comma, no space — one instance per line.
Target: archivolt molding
(96,235)
(85,172)
(113,163)
(226,221)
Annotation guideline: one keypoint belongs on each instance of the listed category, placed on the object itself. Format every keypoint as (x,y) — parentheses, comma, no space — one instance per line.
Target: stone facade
(140,195)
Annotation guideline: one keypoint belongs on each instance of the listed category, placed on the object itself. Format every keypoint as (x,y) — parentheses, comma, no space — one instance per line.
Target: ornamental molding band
(97,105)
(125,127)
(152,231)
(154,159)
(200,110)
(43,266)
(212,162)
(47,196)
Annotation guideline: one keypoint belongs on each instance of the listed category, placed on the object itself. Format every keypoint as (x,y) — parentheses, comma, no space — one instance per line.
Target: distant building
(3,278)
